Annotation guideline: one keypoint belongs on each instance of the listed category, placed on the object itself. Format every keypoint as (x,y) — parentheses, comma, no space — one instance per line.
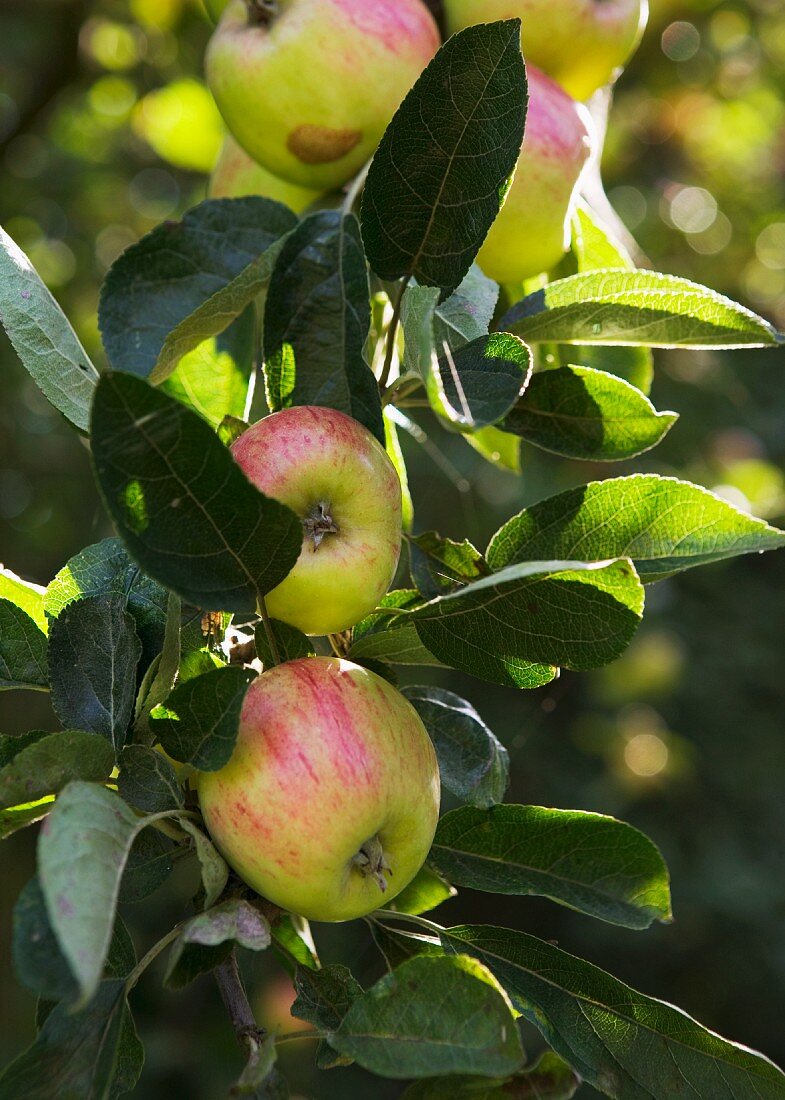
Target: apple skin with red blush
(337,477)
(329,803)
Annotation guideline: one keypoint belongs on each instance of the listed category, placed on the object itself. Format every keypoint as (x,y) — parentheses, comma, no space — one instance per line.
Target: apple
(236,174)
(308,87)
(337,477)
(583,44)
(329,803)
(532,231)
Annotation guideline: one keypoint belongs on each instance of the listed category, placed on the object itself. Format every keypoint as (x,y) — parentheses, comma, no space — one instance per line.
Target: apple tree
(225,668)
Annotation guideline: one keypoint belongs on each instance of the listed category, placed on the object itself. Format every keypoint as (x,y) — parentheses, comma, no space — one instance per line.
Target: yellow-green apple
(308,87)
(583,44)
(236,174)
(337,477)
(329,802)
(531,233)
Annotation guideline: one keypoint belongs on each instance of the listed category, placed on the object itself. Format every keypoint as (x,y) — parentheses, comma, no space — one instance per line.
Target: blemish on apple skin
(320,144)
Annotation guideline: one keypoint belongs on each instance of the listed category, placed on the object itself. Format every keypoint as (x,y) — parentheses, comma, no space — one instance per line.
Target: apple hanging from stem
(329,803)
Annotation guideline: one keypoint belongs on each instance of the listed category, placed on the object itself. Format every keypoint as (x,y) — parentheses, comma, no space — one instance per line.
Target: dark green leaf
(22,650)
(198,723)
(514,626)
(438,564)
(441,172)
(147,780)
(386,637)
(634,364)
(215,377)
(181,504)
(583,413)
(230,429)
(42,337)
(10,747)
(478,383)
(260,1080)
(186,281)
(148,866)
(467,313)
(208,938)
(473,764)
(93,653)
(629,1046)
(82,849)
(324,996)
(426,891)
(25,595)
(290,642)
(44,766)
(212,866)
(635,307)
(432,1015)
(591,863)
(105,569)
(550,1078)
(78,1055)
(161,675)
(316,321)
(662,524)
(397,946)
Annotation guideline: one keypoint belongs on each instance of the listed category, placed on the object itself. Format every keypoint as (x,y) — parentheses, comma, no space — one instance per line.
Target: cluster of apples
(308,87)
(331,797)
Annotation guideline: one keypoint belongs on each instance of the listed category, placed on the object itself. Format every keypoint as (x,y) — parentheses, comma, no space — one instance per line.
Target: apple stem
(262,12)
(319,523)
(372,862)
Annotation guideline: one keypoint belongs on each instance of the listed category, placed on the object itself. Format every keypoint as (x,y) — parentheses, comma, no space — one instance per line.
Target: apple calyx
(319,523)
(262,12)
(372,862)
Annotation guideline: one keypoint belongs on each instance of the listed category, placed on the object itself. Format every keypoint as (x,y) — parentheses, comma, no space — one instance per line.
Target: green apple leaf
(199,721)
(82,849)
(394,450)
(94,651)
(213,868)
(478,383)
(260,1079)
(549,1078)
(634,364)
(582,413)
(324,996)
(473,764)
(426,891)
(93,1054)
(44,766)
(25,595)
(290,642)
(439,564)
(148,866)
(183,508)
(104,569)
(467,314)
(664,525)
(230,429)
(628,1046)
(293,943)
(442,169)
(186,281)
(214,378)
(514,626)
(22,650)
(10,747)
(161,675)
(432,1015)
(148,781)
(42,337)
(19,817)
(418,310)
(383,636)
(316,321)
(501,449)
(635,307)
(594,246)
(208,938)
(39,963)
(397,946)
(595,864)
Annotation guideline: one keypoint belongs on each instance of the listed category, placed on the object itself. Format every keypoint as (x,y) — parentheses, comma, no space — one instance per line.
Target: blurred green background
(106,129)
